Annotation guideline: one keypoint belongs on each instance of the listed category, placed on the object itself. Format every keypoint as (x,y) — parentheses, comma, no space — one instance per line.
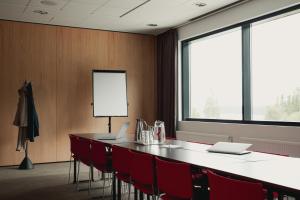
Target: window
(214,73)
(276,69)
(247,73)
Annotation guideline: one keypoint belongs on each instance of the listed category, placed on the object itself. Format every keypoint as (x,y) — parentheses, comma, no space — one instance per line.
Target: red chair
(100,159)
(142,172)
(222,188)
(121,164)
(84,156)
(74,151)
(174,179)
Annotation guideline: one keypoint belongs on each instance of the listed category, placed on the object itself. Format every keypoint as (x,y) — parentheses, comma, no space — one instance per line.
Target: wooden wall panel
(28,52)
(59,62)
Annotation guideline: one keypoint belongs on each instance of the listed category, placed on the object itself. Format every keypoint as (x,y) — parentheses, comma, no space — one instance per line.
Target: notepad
(230,148)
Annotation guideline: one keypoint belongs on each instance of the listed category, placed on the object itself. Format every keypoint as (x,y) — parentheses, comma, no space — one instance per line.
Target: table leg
(114,186)
(75,171)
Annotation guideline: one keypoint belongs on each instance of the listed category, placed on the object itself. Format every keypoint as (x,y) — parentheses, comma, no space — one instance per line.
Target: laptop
(115,136)
(230,148)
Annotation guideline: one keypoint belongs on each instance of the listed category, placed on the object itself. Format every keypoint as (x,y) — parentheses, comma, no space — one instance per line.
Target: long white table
(277,173)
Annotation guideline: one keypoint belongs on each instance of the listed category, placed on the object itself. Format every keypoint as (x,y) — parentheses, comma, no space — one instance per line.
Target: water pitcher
(159,131)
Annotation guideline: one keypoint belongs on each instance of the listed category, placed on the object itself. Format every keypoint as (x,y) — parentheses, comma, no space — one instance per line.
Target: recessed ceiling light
(152,25)
(200,4)
(48,3)
(40,12)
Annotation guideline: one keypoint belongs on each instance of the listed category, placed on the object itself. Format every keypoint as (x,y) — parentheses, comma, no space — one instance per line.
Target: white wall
(278,139)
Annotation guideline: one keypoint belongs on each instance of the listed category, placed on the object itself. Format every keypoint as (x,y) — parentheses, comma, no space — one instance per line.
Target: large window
(248,73)
(214,73)
(276,69)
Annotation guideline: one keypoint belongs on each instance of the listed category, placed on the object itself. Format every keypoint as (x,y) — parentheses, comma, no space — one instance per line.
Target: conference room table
(276,173)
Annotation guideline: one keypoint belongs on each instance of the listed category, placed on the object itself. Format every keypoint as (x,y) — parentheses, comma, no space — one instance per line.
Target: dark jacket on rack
(33,122)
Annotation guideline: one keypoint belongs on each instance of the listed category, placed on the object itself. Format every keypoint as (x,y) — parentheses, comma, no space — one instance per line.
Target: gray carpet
(45,181)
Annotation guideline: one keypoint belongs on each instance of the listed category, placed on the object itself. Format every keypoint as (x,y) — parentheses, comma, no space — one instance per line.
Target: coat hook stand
(26,163)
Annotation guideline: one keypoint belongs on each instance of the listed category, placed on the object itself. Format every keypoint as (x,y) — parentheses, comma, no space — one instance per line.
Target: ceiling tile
(110,11)
(125,3)
(15,2)
(11,12)
(95,2)
(74,8)
(30,15)
(58,4)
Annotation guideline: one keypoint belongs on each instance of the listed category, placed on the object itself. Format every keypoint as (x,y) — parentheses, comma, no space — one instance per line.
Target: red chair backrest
(98,154)
(142,168)
(84,150)
(175,179)
(222,188)
(120,159)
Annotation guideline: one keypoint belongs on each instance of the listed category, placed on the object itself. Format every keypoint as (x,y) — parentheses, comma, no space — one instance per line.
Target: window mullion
(185,81)
(246,70)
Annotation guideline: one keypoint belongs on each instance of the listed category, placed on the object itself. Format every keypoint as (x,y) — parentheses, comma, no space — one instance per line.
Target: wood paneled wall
(59,62)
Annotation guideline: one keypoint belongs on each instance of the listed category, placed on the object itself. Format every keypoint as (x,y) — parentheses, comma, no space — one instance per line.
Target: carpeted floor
(45,181)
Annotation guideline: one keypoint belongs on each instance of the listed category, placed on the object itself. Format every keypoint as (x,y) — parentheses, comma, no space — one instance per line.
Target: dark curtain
(166,76)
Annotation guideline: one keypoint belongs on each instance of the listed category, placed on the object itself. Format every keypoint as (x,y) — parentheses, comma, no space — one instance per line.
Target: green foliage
(286,108)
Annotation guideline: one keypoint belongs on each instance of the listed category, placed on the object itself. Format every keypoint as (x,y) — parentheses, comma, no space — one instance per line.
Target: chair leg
(141,195)
(90,179)
(129,190)
(135,194)
(103,190)
(77,178)
(70,169)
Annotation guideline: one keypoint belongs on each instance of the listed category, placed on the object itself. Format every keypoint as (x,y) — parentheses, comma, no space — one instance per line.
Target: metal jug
(140,126)
(159,131)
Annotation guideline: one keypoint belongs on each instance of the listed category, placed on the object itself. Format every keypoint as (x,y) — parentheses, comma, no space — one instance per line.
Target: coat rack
(32,128)
(26,163)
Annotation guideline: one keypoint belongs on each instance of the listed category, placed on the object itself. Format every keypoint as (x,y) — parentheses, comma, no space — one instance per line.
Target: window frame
(246,75)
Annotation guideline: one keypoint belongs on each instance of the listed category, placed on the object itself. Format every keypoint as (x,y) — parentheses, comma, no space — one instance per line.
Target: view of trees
(211,109)
(287,108)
